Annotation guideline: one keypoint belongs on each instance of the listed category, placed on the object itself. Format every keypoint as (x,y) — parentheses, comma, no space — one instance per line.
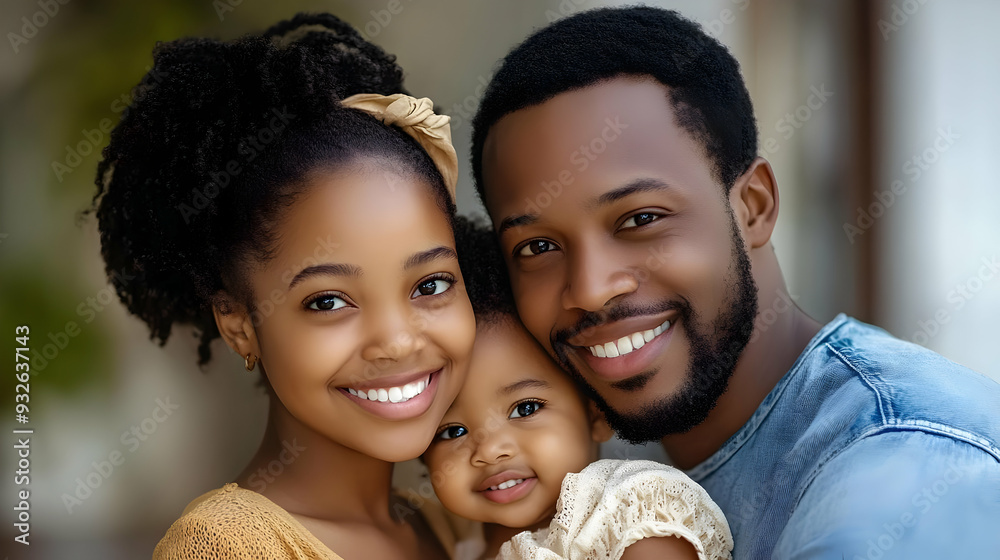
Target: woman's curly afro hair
(222,137)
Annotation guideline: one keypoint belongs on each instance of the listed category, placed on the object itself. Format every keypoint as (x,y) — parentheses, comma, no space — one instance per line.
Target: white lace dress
(612,504)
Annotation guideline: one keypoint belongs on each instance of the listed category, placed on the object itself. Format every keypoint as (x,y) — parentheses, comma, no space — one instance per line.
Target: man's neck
(761,365)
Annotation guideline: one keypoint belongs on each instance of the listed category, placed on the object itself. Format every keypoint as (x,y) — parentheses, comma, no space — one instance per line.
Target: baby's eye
(326,303)
(431,287)
(640,219)
(452,432)
(526,408)
(536,247)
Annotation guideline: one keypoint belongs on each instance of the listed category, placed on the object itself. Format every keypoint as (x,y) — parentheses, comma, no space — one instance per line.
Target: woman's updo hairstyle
(222,138)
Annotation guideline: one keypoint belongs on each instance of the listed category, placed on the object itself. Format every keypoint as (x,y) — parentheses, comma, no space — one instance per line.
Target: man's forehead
(603,136)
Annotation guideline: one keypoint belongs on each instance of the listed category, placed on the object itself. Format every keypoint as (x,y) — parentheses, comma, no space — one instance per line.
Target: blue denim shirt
(868,448)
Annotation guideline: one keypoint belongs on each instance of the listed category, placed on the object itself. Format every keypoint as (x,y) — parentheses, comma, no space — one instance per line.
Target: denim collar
(736,441)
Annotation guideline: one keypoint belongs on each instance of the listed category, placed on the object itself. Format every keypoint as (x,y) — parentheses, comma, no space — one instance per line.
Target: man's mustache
(593,319)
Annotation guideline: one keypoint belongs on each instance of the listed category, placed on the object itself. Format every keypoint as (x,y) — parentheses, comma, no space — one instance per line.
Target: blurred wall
(847,94)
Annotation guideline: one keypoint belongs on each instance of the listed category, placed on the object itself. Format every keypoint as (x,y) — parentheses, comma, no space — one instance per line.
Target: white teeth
(624,345)
(507,484)
(392,394)
(629,343)
(409,390)
(637,341)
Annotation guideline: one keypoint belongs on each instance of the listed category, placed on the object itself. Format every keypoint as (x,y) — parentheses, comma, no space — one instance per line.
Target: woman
(282,192)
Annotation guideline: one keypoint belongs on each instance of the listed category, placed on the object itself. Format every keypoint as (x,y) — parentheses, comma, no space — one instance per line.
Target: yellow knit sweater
(233,523)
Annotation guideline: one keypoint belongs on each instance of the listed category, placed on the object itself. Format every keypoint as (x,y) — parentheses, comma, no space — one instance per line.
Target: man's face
(624,255)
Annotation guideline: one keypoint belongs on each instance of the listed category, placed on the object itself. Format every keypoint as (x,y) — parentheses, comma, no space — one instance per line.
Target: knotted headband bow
(417,118)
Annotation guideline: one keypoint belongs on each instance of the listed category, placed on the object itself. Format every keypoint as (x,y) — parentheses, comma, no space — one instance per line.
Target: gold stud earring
(250,362)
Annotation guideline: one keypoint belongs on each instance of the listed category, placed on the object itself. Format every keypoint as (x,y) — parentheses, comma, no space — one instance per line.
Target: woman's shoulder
(236,523)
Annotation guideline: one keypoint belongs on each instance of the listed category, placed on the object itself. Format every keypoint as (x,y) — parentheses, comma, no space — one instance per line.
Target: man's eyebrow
(645,184)
(523,384)
(423,257)
(327,269)
(515,221)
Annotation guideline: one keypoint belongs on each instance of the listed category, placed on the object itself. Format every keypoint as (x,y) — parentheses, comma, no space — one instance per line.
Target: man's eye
(526,408)
(452,432)
(639,219)
(536,247)
(432,287)
(326,303)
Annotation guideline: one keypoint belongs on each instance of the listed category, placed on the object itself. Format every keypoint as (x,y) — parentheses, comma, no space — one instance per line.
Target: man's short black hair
(707,91)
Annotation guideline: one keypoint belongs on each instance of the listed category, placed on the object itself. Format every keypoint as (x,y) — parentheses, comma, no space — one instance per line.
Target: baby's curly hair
(223,136)
(484,272)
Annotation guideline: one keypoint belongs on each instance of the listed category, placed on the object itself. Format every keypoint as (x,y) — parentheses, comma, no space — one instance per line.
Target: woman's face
(362,320)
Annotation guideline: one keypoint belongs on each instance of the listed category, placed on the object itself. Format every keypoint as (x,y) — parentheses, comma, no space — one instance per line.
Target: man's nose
(596,275)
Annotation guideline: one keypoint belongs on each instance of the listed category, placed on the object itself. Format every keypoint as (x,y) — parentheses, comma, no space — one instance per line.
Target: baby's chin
(522,520)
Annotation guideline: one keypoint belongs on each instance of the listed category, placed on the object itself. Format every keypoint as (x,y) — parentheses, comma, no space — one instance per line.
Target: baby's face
(517,428)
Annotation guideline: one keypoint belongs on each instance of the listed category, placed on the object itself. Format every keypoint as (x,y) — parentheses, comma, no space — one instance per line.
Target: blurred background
(879,118)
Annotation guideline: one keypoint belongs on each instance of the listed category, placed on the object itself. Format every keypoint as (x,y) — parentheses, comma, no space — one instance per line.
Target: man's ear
(600,430)
(235,324)
(754,200)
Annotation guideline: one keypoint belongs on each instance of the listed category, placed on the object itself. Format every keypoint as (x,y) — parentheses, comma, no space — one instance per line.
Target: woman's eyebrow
(440,252)
(328,269)
(523,384)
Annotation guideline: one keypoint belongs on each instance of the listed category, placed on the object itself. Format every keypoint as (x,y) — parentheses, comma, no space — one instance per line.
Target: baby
(517,451)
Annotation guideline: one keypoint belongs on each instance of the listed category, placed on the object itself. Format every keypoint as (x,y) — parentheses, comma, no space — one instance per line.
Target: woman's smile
(398,397)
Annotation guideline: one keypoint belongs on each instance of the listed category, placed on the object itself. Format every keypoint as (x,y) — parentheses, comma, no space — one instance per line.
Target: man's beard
(714,351)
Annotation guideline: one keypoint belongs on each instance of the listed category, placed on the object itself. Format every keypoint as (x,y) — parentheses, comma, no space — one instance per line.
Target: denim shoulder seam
(864,378)
(911,426)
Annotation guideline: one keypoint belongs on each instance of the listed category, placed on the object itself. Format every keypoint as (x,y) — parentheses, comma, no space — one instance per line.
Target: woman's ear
(754,200)
(235,324)
(600,430)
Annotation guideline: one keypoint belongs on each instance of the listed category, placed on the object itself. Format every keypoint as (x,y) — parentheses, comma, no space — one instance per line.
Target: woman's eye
(452,432)
(327,303)
(432,287)
(639,219)
(536,247)
(526,408)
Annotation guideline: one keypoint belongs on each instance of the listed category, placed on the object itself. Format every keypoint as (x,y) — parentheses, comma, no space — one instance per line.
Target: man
(616,153)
